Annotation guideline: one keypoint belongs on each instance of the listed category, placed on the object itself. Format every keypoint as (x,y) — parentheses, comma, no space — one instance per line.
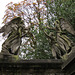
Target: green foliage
(42,51)
(63,8)
(37,45)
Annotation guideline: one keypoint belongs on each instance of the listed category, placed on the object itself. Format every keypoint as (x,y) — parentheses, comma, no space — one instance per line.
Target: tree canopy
(38,14)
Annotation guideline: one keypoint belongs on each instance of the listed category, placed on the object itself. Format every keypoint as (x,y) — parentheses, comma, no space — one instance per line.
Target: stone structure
(38,67)
(15,30)
(10,66)
(61,44)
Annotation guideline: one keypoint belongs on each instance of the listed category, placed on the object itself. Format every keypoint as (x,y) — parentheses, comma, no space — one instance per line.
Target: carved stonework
(15,30)
(61,44)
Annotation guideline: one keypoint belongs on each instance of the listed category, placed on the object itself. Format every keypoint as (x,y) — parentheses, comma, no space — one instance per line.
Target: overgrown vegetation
(39,14)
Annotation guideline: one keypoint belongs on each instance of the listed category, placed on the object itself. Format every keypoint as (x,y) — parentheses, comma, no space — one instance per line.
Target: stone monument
(14,30)
(61,44)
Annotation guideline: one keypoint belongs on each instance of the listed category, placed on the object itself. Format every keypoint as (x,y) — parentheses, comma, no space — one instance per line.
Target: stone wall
(38,67)
(31,67)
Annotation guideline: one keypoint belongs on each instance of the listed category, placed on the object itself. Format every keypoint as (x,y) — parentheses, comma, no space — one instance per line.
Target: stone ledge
(69,65)
(42,63)
(69,61)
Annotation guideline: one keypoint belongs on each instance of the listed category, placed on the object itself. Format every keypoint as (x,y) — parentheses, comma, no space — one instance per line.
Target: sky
(3,4)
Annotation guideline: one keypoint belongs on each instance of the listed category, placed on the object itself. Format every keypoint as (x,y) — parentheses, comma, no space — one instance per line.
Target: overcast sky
(3,3)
